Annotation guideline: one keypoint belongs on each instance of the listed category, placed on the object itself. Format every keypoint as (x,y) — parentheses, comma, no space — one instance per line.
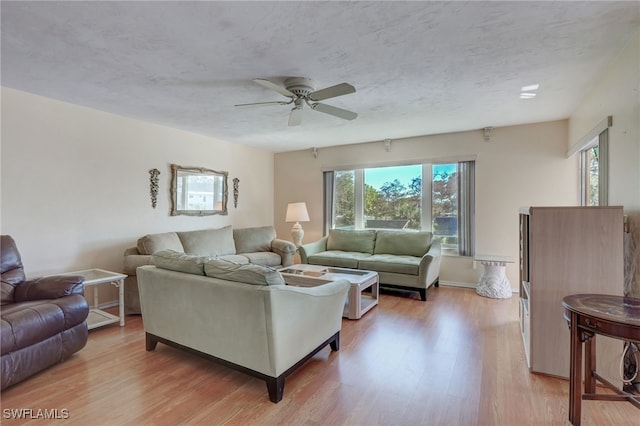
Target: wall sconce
(387,145)
(153,186)
(297,212)
(314,151)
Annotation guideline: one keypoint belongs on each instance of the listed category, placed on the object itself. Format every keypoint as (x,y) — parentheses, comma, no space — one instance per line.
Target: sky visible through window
(381,175)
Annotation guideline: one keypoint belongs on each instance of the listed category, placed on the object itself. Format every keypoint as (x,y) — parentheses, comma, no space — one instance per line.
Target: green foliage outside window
(395,201)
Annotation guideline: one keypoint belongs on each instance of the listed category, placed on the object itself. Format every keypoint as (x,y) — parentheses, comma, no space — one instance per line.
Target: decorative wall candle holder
(153,186)
(236,189)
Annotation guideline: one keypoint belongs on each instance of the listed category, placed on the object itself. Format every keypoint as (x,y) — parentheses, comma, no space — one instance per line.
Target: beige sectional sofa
(243,316)
(403,259)
(255,245)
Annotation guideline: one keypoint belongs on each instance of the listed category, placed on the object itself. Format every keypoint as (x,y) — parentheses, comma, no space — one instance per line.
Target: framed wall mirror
(196,191)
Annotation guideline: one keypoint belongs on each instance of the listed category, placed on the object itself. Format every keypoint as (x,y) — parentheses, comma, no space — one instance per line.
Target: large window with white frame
(433,197)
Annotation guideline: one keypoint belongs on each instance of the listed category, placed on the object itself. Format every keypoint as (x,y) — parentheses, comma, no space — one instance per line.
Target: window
(393,197)
(593,171)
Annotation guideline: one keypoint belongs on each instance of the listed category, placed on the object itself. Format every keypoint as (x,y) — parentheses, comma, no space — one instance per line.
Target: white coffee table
(93,277)
(357,303)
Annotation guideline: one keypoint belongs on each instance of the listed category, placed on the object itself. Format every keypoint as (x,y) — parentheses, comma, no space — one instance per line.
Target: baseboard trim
(108,304)
(457,284)
(465,285)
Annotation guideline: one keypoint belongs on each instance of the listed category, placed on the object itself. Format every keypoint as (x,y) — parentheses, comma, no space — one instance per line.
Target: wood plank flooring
(455,360)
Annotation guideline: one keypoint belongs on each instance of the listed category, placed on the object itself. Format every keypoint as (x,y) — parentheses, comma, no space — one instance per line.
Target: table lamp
(297,212)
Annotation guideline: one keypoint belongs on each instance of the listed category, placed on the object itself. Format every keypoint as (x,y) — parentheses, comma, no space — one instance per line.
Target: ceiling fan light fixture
(302,90)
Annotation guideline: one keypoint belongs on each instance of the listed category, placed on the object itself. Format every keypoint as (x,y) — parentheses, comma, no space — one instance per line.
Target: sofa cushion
(235,258)
(404,243)
(152,243)
(248,273)
(409,265)
(251,240)
(354,241)
(266,258)
(181,262)
(337,258)
(208,242)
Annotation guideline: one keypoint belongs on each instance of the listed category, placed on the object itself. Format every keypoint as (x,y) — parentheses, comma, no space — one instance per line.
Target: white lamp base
(296,234)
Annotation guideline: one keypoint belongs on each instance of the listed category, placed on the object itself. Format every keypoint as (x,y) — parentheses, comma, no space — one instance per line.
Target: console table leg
(590,365)
(575,379)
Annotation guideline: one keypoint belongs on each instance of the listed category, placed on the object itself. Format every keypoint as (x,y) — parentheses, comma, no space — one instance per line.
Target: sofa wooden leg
(151,342)
(275,387)
(335,343)
(423,294)
(436,283)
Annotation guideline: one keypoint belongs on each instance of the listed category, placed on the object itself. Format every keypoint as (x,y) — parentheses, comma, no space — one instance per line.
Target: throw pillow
(247,273)
(347,240)
(176,261)
(209,242)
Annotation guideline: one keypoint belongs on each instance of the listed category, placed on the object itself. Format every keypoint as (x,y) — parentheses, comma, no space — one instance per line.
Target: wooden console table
(590,314)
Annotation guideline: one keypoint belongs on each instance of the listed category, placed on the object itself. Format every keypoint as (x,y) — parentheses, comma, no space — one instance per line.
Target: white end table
(493,281)
(93,277)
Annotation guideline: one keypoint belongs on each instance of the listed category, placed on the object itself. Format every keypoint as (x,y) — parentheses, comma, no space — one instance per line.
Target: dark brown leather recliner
(43,320)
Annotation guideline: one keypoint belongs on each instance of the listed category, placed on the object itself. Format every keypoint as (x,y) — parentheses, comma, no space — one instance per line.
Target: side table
(493,281)
(93,277)
(617,317)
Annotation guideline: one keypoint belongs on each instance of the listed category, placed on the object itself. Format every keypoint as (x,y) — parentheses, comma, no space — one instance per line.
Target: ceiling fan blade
(335,111)
(260,104)
(270,85)
(295,117)
(332,92)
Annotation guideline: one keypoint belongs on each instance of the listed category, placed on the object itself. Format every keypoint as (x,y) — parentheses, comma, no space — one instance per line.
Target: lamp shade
(297,212)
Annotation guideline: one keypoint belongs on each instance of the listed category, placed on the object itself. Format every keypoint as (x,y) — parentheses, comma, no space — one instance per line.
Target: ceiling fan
(303,91)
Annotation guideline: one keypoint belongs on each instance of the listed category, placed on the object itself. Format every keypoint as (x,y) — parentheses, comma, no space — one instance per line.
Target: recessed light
(530,87)
(527,95)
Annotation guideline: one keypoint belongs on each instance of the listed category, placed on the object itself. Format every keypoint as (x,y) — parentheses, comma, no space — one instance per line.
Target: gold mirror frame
(196,191)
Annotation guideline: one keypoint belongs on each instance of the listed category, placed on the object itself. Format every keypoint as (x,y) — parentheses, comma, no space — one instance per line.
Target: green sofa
(403,259)
(256,245)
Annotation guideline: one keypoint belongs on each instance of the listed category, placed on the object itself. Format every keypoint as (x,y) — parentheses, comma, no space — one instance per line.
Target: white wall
(520,166)
(617,94)
(75,182)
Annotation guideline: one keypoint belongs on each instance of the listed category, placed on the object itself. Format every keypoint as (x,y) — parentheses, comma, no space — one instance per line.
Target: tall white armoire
(567,250)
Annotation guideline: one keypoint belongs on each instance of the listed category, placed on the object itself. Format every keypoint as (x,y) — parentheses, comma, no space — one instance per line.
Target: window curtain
(466,208)
(328,201)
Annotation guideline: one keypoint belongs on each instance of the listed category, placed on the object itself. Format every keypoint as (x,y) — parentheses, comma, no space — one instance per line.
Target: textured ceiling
(418,67)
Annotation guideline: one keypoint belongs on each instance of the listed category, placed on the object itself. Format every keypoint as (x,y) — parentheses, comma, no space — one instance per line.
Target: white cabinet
(567,250)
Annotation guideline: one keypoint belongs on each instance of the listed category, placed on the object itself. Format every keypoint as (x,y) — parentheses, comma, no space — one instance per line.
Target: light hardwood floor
(455,360)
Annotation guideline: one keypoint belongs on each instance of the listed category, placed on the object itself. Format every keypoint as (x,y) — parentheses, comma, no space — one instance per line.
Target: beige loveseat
(243,316)
(407,260)
(256,245)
